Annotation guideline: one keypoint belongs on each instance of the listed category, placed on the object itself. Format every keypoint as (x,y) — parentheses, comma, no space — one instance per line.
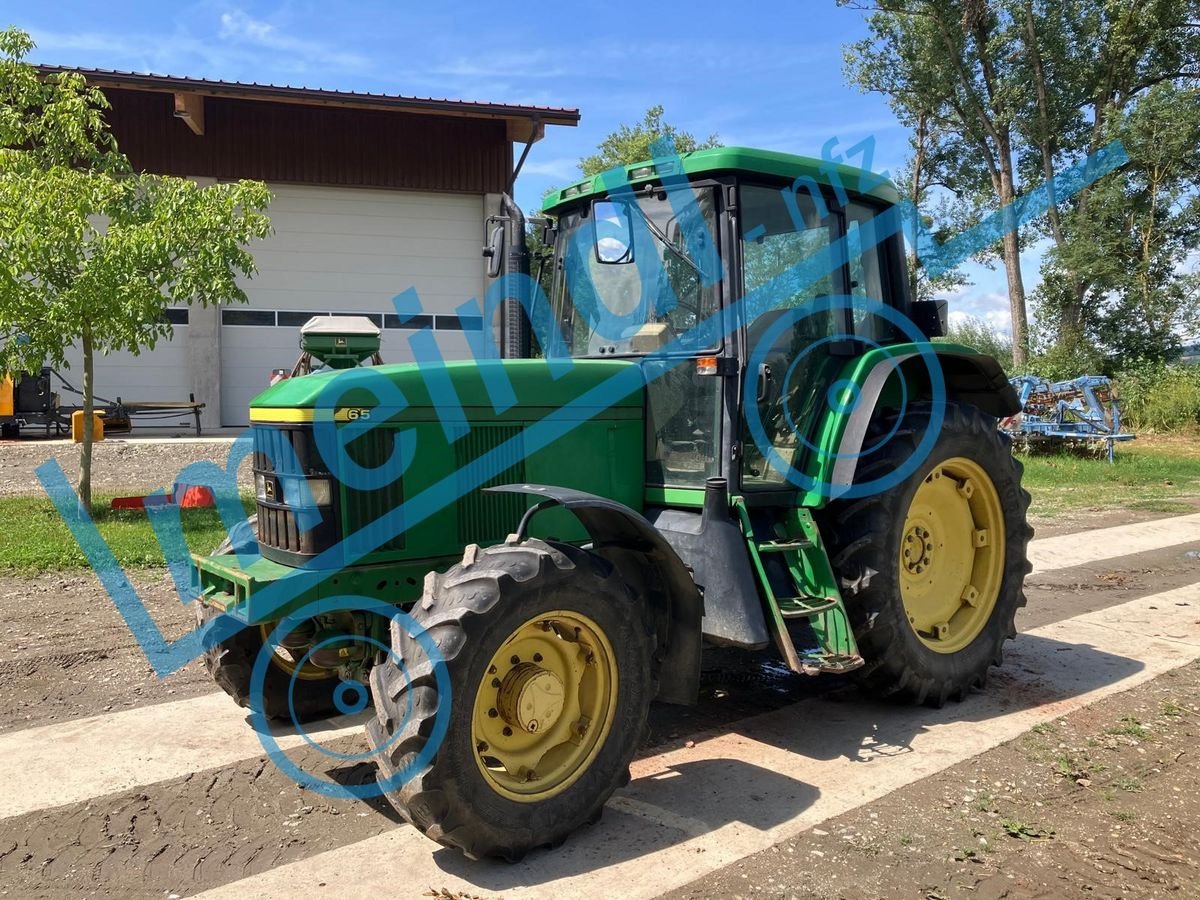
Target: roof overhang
(523,123)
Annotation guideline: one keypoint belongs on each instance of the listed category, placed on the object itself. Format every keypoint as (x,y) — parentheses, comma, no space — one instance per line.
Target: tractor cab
(743,282)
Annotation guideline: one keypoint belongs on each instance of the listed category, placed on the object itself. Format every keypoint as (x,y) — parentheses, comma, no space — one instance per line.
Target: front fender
(649,564)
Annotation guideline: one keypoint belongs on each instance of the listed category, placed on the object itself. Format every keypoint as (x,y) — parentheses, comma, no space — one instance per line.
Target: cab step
(819,663)
(784,546)
(803,607)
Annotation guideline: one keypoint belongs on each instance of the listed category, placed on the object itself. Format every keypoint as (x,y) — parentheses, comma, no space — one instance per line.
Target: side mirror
(494,251)
(932,317)
(545,228)
(612,228)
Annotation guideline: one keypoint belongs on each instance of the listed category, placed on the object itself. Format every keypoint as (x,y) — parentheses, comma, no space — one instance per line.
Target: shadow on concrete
(1037,671)
(651,814)
(769,707)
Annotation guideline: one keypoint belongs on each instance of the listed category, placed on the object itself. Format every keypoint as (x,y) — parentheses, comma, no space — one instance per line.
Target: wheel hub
(545,705)
(951,559)
(531,698)
(918,549)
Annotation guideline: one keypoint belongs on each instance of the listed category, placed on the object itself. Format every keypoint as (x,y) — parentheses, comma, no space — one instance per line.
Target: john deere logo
(269,488)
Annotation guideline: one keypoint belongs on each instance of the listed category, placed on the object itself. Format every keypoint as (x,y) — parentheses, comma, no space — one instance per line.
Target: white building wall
(334,250)
(349,251)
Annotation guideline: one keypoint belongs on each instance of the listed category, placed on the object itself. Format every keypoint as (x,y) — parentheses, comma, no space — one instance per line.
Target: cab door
(794,327)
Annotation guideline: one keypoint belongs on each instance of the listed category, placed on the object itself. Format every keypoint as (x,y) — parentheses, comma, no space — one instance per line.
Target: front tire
(231,665)
(548,656)
(932,570)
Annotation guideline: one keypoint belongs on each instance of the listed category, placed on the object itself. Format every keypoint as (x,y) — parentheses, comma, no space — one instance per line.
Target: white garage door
(159,375)
(347,251)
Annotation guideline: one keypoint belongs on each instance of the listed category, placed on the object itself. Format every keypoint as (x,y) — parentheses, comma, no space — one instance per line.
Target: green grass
(1130,727)
(1171,708)
(1156,474)
(37,540)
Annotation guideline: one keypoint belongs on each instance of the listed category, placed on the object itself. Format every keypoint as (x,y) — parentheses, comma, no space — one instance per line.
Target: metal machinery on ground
(30,402)
(713,450)
(1079,412)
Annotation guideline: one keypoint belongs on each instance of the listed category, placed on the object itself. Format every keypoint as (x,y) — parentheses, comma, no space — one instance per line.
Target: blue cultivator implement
(1075,414)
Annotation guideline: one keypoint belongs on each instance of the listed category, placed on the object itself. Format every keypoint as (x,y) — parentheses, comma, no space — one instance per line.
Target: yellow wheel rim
(545,706)
(952,555)
(286,660)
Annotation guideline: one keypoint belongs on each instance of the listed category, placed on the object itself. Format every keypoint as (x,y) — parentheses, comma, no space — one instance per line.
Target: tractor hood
(427,438)
(500,390)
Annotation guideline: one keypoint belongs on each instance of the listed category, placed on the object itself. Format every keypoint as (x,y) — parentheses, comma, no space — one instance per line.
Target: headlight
(260,487)
(321,490)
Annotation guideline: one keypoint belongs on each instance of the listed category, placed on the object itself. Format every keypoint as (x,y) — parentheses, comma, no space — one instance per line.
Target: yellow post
(77,426)
(7,404)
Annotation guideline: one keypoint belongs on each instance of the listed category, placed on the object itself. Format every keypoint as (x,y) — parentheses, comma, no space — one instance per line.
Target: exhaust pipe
(514,323)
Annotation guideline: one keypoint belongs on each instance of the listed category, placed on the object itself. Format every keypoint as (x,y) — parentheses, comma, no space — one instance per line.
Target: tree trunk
(85,452)
(1070,318)
(1045,134)
(1012,258)
(915,191)
(1016,298)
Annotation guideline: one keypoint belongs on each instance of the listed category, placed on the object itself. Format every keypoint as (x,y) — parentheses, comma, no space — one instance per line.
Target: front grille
(279,442)
(489,518)
(364,508)
(280,535)
(278,530)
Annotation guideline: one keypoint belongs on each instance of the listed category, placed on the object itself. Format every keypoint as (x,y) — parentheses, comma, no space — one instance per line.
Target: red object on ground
(188,496)
(141,502)
(193,496)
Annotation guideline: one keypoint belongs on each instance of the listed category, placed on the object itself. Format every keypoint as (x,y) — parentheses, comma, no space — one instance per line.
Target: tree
(946,61)
(917,184)
(94,252)
(1115,283)
(1118,280)
(633,143)
(975,332)
(1017,90)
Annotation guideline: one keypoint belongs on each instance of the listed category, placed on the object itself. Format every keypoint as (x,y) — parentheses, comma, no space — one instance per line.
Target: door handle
(764,381)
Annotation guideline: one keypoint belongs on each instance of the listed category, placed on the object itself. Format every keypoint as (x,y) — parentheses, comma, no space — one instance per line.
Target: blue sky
(764,74)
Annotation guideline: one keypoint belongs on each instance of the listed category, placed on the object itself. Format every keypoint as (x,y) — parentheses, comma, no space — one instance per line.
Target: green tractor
(724,443)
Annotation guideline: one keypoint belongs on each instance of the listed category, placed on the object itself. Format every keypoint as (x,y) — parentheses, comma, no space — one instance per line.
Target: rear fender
(900,373)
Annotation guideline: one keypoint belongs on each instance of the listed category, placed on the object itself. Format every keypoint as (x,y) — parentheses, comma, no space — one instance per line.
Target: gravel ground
(137,465)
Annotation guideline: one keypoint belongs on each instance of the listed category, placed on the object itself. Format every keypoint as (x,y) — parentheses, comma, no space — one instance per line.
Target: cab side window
(866,249)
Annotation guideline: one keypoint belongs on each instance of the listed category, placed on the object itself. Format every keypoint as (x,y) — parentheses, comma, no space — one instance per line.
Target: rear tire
(231,665)
(867,538)
(478,613)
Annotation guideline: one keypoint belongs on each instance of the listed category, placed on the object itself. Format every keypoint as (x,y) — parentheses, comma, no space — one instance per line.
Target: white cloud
(240,28)
(988,307)
(230,47)
(239,25)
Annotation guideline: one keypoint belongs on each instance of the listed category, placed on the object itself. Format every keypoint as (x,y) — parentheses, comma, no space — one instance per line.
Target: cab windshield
(638,274)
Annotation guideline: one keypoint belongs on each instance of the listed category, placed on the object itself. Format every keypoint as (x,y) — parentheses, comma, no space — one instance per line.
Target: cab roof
(723,160)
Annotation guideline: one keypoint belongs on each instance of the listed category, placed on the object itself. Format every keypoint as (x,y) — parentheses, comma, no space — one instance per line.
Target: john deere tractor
(736,432)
